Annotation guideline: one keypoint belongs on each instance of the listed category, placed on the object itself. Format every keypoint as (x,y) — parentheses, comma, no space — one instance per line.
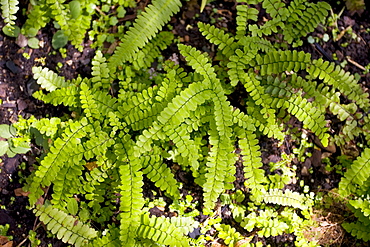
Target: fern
(8,10)
(66,227)
(287,198)
(356,175)
(161,231)
(144,29)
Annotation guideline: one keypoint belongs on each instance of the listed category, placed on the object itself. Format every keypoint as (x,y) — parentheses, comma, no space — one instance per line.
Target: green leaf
(11,31)
(3,147)
(59,40)
(33,43)
(72,206)
(75,8)
(7,131)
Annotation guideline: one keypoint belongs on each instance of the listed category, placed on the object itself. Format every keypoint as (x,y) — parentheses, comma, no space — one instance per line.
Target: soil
(17,86)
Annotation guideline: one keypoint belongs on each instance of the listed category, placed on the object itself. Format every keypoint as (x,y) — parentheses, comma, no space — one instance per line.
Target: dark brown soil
(16,87)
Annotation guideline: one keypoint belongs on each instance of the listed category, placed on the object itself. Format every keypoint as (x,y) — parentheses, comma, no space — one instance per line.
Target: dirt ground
(352,50)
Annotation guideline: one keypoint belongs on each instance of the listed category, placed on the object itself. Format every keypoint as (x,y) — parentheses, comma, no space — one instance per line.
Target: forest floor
(350,48)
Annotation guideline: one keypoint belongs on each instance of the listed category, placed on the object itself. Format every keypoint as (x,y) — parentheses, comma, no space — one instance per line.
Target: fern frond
(311,117)
(144,29)
(333,75)
(48,79)
(65,148)
(131,179)
(161,231)
(276,62)
(358,230)
(287,198)
(100,72)
(146,56)
(148,107)
(255,43)
(244,13)
(300,23)
(356,175)
(8,10)
(37,18)
(218,37)
(68,96)
(174,114)
(66,227)
(96,104)
(160,174)
(252,162)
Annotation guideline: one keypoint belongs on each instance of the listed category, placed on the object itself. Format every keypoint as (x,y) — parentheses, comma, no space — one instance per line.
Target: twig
(355,63)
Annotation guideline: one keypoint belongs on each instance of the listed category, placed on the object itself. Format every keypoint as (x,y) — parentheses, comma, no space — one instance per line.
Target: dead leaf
(3,240)
(8,244)
(20,192)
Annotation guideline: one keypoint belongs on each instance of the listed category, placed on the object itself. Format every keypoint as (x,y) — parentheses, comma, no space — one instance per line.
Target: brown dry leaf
(8,244)
(3,240)
(20,192)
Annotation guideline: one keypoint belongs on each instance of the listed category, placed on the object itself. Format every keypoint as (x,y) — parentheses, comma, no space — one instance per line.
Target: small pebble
(12,67)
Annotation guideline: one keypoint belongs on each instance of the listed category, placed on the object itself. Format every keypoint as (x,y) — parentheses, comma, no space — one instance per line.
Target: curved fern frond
(311,117)
(66,227)
(96,104)
(144,29)
(276,62)
(244,13)
(146,56)
(356,175)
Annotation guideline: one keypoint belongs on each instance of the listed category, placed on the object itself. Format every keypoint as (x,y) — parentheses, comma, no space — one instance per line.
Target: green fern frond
(131,182)
(333,75)
(96,104)
(48,80)
(244,13)
(218,37)
(37,18)
(66,227)
(8,10)
(358,230)
(311,117)
(287,198)
(144,29)
(252,162)
(161,231)
(68,96)
(276,62)
(100,72)
(356,175)
(66,148)
(146,56)
(158,172)
(300,23)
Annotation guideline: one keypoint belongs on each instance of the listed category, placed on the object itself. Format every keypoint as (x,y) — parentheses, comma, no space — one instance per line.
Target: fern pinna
(157,121)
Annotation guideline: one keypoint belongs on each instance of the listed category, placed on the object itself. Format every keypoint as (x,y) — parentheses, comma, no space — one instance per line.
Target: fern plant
(160,121)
